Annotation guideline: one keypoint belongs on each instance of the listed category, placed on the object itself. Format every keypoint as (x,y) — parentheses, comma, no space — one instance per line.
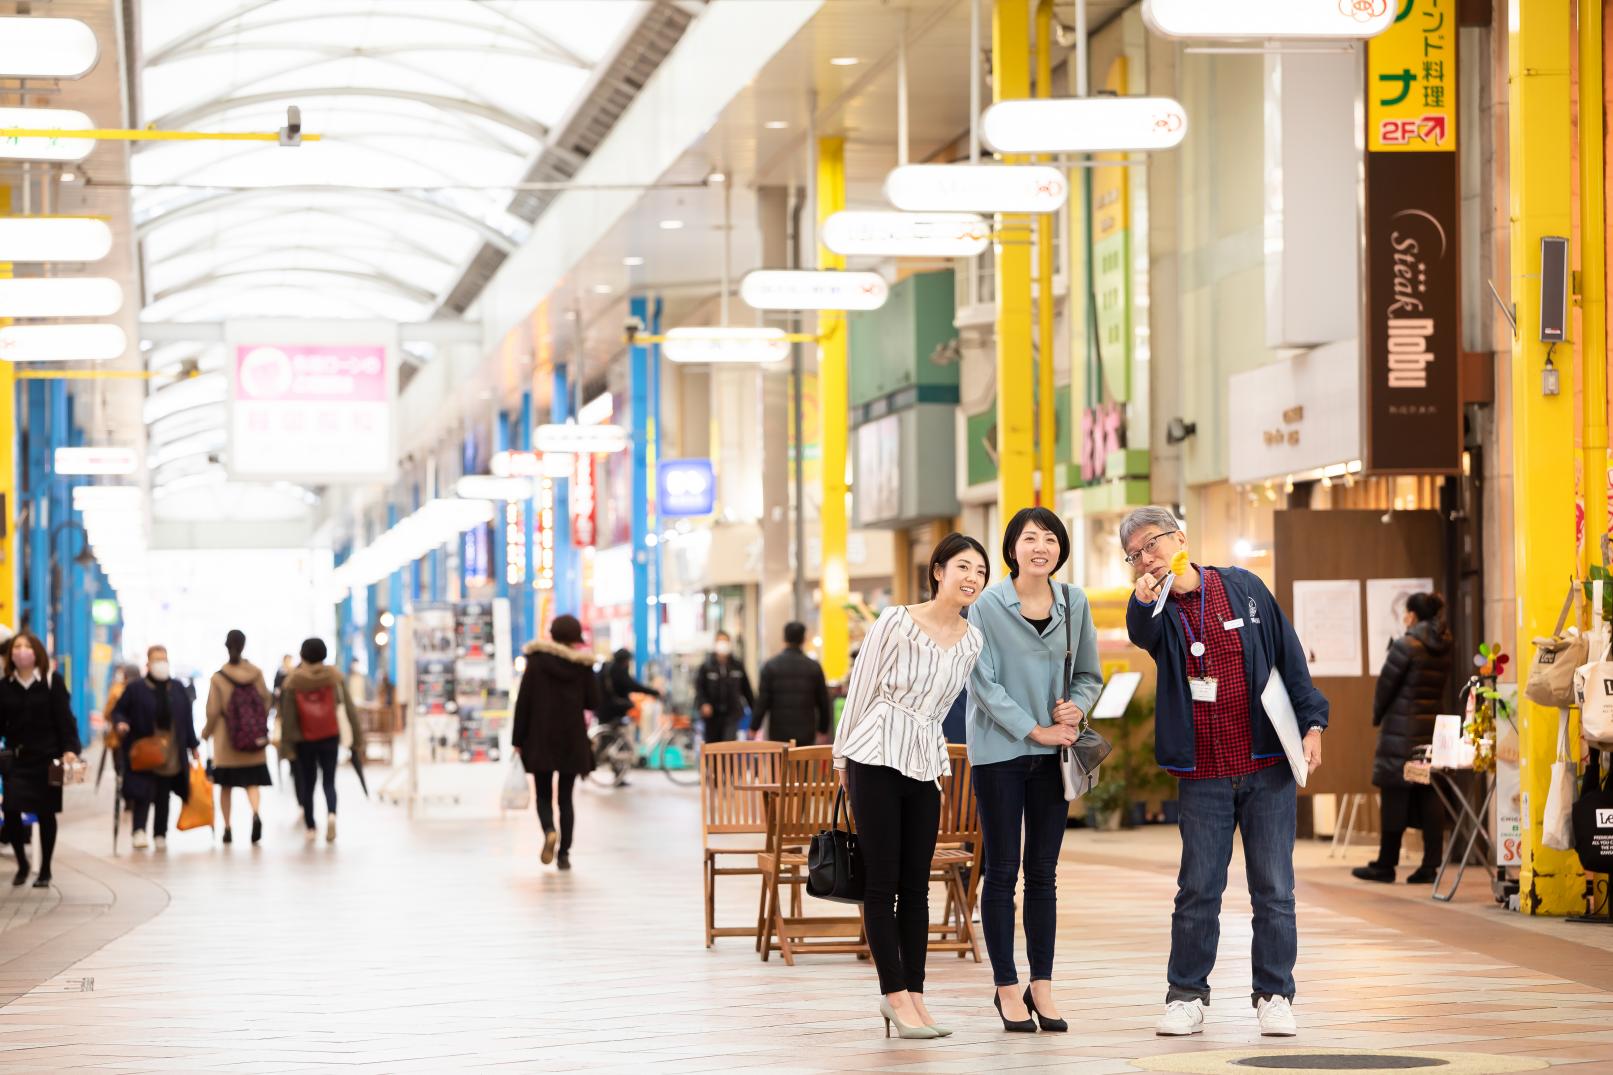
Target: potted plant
(1106,803)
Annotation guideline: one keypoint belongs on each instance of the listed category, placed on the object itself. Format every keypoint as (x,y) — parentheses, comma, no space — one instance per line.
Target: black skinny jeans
(1025,791)
(544,779)
(25,833)
(143,808)
(897,819)
(316,762)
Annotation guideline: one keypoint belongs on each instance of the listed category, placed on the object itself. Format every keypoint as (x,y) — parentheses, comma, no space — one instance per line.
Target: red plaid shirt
(1222,745)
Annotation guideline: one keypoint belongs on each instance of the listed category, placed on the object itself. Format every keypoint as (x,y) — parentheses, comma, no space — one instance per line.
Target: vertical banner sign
(1414,408)
(1111,263)
(584,501)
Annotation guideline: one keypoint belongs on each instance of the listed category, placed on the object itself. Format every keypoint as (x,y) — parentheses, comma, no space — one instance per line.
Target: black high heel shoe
(1057,1026)
(23,869)
(1014,1026)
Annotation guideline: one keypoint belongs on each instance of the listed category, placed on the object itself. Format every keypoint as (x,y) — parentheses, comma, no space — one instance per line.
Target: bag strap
(1568,604)
(1069,649)
(834,820)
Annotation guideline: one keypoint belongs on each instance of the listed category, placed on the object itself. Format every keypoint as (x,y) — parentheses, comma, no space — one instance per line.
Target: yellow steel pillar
(8,466)
(834,580)
(1046,414)
(1543,426)
(1016,402)
(1593,277)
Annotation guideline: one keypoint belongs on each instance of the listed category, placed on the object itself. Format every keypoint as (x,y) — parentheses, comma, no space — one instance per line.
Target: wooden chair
(956,864)
(728,810)
(805,805)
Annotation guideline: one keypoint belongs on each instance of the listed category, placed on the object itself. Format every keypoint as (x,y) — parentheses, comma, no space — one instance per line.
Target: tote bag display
(1557,823)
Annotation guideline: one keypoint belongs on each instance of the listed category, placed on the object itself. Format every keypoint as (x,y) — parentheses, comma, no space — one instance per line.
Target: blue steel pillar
(567,580)
(524,607)
(655,461)
(638,392)
(394,604)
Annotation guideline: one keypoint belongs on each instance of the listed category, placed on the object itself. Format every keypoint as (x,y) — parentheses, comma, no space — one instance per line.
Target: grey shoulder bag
(1078,764)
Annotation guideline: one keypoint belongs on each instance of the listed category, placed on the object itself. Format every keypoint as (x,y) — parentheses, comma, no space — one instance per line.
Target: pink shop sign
(311,373)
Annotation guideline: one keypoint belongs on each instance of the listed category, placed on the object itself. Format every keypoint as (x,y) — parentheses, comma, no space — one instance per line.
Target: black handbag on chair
(835,862)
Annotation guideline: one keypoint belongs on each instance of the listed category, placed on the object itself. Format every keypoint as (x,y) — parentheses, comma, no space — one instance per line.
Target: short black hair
(794,633)
(1425,606)
(952,545)
(566,630)
(1042,517)
(313,650)
(235,641)
(622,656)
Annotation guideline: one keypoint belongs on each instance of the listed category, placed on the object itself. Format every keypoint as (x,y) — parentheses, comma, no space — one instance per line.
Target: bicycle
(674,749)
(613,753)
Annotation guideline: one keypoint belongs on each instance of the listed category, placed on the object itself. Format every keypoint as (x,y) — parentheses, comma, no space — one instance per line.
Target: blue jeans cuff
(1175,993)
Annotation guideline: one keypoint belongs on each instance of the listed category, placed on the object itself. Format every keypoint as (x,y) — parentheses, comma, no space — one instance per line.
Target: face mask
(23,659)
(724,649)
(159,670)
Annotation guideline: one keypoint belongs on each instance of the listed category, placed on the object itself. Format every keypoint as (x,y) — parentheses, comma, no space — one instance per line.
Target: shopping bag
(198,812)
(517,793)
(1551,673)
(1557,823)
(1593,693)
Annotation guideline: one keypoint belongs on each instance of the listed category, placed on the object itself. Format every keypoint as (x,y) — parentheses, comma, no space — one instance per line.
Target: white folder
(1280,711)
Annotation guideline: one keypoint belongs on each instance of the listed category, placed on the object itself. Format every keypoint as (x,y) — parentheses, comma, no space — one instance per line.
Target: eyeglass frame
(1148,547)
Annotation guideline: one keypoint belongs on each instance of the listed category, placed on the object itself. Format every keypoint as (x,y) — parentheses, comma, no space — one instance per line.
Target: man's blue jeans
(1262,807)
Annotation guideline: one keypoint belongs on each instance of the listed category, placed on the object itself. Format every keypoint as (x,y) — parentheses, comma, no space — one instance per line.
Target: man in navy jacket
(1216,646)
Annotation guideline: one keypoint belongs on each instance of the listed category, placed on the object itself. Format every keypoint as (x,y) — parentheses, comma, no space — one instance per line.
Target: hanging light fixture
(806,289)
(726,345)
(60,296)
(1247,19)
(979,188)
(1084,125)
(35,47)
(62,343)
(54,238)
(884,233)
(34,148)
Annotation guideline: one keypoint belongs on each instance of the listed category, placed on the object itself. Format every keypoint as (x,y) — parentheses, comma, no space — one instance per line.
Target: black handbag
(1593,819)
(835,862)
(1078,764)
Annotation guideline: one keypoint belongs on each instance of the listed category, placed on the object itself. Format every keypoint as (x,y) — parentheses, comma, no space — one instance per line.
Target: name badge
(1202,689)
(1232,625)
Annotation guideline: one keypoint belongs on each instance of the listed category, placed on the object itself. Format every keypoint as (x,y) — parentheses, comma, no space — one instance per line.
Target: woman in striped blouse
(891,754)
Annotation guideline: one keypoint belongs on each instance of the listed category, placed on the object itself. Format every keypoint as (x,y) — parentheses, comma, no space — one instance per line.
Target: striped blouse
(902,685)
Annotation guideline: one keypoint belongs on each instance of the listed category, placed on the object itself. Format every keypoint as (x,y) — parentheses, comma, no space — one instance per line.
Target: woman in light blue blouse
(1020,714)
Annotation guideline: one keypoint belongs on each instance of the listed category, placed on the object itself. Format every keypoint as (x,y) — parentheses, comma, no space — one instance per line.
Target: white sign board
(1296,414)
(1386,609)
(1327,618)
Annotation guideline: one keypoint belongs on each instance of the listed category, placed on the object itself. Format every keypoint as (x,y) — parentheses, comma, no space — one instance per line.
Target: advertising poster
(1508,797)
(434,660)
(1386,609)
(481,701)
(1327,618)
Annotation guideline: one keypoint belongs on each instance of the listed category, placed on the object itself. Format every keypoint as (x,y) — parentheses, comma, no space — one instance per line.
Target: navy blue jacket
(137,707)
(1269,642)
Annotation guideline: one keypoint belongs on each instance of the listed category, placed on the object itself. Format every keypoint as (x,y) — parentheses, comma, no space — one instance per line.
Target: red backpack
(316,709)
(247,718)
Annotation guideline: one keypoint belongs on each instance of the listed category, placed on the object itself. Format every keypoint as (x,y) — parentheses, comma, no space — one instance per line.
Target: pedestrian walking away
(722,691)
(316,718)
(1020,712)
(1216,647)
(891,754)
(551,727)
(154,722)
(792,698)
(238,724)
(1411,693)
(40,735)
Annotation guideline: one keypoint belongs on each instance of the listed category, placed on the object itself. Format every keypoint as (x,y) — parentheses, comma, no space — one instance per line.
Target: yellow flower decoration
(1179,563)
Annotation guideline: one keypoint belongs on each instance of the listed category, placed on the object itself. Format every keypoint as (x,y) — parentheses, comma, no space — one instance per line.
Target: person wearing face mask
(891,754)
(722,691)
(156,705)
(1021,711)
(36,721)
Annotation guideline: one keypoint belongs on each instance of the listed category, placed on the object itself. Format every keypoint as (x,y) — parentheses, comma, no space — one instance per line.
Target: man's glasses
(1148,546)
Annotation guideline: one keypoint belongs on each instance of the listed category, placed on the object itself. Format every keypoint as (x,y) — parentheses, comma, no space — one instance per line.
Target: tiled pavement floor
(441,944)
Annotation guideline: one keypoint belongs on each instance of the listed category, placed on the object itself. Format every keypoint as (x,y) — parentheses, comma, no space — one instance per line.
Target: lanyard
(1195,646)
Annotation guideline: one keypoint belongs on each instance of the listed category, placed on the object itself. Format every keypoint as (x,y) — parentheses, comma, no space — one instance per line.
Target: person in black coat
(156,704)
(1411,693)
(551,726)
(792,699)
(722,691)
(617,687)
(36,720)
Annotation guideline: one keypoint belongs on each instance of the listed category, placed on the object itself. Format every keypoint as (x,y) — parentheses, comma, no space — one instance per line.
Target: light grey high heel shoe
(940,1031)
(902,1029)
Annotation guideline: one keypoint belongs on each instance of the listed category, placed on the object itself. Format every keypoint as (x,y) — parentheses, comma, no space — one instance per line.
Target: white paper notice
(1448,742)
(1327,618)
(1386,609)
(1164,594)
(1279,709)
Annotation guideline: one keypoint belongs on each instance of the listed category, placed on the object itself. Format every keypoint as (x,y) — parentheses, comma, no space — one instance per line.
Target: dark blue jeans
(1261,806)
(1027,793)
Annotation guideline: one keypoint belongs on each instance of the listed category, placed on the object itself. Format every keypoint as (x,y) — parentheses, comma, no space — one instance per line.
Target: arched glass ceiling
(421,102)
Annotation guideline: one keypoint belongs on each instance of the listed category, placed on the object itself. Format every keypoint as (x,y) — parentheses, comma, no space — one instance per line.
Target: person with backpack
(314,708)
(238,722)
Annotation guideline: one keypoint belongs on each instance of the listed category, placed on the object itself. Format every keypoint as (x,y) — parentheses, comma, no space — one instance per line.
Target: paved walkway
(442,945)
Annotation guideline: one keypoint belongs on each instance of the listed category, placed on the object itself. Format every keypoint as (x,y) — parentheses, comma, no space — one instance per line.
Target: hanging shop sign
(726,345)
(569,437)
(44,147)
(95,459)
(1113,278)
(36,47)
(977,188)
(515,543)
(311,403)
(1297,415)
(1084,125)
(60,296)
(1270,18)
(685,488)
(1103,430)
(54,238)
(584,501)
(543,537)
(1413,407)
(907,235)
(805,289)
(62,343)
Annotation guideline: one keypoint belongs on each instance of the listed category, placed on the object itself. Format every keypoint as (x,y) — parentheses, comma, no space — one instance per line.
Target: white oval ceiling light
(49,147)
(1242,19)
(979,188)
(882,233)
(54,238)
(1084,125)
(62,343)
(60,296)
(34,47)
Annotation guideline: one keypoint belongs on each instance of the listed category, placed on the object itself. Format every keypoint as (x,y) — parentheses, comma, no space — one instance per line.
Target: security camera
(291,133)
(1178,430)
(631,328)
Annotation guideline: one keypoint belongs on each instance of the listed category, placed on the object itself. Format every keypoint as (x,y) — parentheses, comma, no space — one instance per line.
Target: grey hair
(1142,518)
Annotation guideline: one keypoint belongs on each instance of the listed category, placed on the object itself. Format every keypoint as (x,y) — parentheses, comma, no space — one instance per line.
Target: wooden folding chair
(804,807)
(956,864)
(729,809)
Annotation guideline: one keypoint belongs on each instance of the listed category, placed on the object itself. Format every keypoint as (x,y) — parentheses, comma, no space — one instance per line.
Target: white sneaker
(1181,1018)
(161,843)
(330,829)
(1277,1018)
(141,840)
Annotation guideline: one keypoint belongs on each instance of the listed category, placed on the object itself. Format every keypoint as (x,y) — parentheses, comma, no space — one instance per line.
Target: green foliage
(1130,773)
(1600,571)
